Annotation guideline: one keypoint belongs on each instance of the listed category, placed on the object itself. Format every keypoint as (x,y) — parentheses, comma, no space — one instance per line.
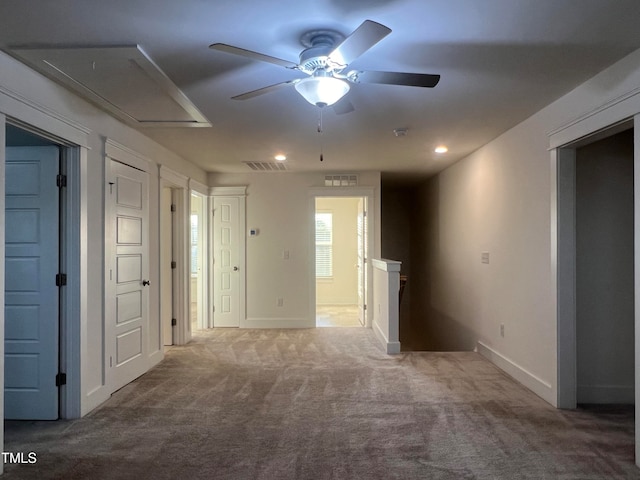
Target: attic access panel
(122,80)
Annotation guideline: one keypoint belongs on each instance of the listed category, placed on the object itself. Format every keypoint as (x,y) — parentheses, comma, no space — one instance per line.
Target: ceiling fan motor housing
(319,43)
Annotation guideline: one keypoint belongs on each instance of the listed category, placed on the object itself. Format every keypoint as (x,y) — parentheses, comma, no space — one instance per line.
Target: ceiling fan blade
(398,78)
(343,106)
(362,39)
(251,54)
(263,90)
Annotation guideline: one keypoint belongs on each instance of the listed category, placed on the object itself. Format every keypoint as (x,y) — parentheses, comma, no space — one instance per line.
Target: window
(194,244)
(324,245)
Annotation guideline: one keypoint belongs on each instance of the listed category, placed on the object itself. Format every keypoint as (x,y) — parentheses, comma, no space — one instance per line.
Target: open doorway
(42,215)
(340,261)
(32,253)
(596,205)
(604,232)
(167,266)
(197,308)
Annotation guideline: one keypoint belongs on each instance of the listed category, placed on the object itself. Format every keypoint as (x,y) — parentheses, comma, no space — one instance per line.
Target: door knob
(145,283)
(235,269)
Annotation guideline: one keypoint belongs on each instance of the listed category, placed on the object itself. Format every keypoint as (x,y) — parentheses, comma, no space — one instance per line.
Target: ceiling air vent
(267,166)
(341,181)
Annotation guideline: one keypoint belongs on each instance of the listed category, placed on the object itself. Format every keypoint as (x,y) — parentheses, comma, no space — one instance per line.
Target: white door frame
(241,193)
(118,375)
(74,143)
(363,192)
(202,191)
(181,286)
(602,121)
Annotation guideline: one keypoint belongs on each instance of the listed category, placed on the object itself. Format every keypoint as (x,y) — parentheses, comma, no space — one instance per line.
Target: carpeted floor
(324,404)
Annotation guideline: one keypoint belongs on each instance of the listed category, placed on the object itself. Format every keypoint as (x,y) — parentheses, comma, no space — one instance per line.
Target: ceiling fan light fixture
(322,90)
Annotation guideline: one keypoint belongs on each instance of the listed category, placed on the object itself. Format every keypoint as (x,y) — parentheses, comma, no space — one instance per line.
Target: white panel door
(31,294)
(362,260)
(128,276)
(226,257)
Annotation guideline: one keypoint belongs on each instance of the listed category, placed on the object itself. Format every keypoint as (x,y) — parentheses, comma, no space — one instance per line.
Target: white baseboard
(392,348)
(94,399)
(526,378)
(620,394)
(277,323)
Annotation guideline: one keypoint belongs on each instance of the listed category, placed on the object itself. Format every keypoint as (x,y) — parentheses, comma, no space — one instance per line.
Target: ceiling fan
(326,59)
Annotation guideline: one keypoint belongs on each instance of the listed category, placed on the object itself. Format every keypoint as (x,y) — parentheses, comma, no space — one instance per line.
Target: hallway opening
(340,261)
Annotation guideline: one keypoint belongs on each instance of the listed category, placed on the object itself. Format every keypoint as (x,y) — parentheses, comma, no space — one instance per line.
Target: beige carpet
(324,404)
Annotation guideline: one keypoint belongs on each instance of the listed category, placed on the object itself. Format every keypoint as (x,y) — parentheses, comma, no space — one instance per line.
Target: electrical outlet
(485,257)
(285,254)
(502,329)
(280,302)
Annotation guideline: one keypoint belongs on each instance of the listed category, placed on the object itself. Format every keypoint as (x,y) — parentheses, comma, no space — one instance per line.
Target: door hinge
(174,265)
(173,207)
(61,180)
(364,307)
(61,379)
(174,322)
(213,308)
(61,279)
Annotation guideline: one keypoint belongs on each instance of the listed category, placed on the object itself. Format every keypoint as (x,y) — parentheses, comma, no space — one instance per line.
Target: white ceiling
(500,61)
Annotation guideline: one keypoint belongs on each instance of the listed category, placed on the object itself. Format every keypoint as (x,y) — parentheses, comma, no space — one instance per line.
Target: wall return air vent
(121,80)
(341,181)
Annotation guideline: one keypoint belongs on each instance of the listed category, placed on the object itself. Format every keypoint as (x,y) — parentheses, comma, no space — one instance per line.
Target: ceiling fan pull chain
(320,131)
(320,121)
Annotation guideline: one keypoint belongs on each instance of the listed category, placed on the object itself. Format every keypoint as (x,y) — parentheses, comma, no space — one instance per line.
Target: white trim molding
(31,113)
(174,177)
(124,154)
(198,187)
(240,191)
(538,386)
(604,116)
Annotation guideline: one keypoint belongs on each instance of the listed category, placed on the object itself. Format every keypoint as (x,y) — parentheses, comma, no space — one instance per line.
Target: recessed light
(280,157)
(441,149)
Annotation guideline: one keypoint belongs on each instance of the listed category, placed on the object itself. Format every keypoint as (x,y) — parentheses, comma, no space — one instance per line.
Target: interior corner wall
(278,206)
(24,86)
(400,221)
(498,200)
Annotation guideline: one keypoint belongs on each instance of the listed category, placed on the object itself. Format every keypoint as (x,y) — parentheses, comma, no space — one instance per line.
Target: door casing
(180,275)
(366,193)
(73,247)
(239,192)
